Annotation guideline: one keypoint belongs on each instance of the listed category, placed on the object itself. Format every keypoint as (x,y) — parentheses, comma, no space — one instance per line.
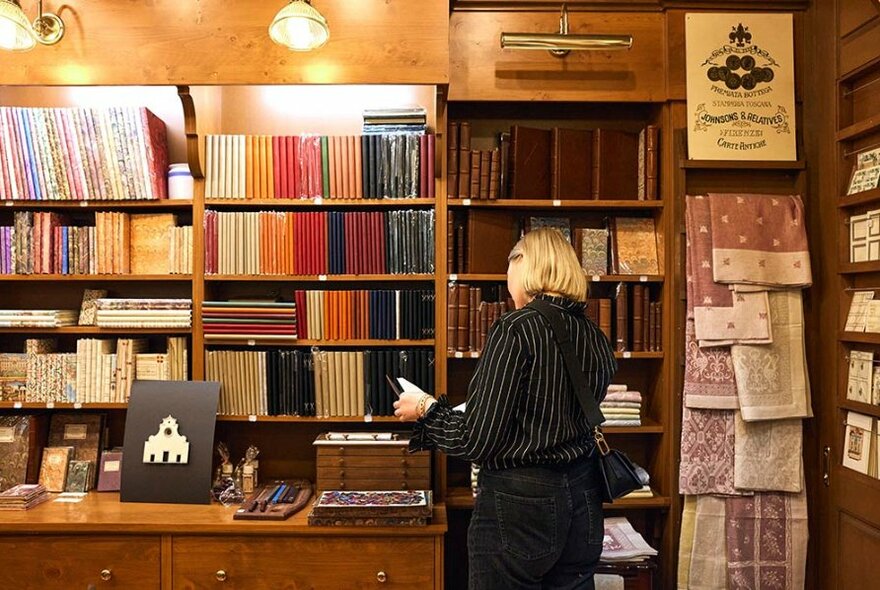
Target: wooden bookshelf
(852,268)
(742,165)
(859,129)
(308,419)
(99,204)
(293,342)
(321,278)
(61,406)
(555,204)
(469,277)
(319,203)
(96,278)
(618,355)
(96,331)
(860,337)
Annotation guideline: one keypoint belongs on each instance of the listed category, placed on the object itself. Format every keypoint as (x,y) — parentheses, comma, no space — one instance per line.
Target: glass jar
(180,182)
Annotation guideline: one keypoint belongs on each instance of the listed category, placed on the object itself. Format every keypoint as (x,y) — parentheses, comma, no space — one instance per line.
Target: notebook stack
(622,407)
(23,497)
(144,313)
(38,318)
(623,543)
(248,320)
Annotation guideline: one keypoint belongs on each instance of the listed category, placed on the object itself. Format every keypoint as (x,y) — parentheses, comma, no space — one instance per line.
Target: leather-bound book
(658,326)
(109,474)
(21,442)
(80,431)
(450,243)
(494,173)
(460,249)
(621,315)
(451,316)
(646,312)
(474,191)
(473,321)
(530,163)
(53,470)
(485,173)
(491,235)
(464,160)
(571,163)
(634,246)
(638,320)
(591,311)
(504,169)
(461,338)
(652,162)
(615,165)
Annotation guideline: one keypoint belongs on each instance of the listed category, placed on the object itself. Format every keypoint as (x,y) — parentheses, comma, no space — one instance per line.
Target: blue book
(27,149)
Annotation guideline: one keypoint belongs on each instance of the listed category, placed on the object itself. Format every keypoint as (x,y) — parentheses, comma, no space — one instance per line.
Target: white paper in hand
(407,387)
(460,407)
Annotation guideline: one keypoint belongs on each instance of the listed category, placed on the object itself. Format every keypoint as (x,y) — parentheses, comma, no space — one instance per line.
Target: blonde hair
(549,265)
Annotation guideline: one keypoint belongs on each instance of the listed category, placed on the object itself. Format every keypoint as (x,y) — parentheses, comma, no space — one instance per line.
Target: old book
(151,242)
(53,470)
(485,173)
(859,452)
(79,476)
(451,316)
(473,323)
(21,441)
(646,327)
(621,315)
(571,163)
(494,173)
(861,372)
(463,298)
(490,237)
(529,163)
(856,319)
(13,377)
(464,160)
(475,163)
(634,246)
(80,431)
(652,162)
(615,165)
(638,320)
(872,318)
(563,224)
(504,165)
(591,246)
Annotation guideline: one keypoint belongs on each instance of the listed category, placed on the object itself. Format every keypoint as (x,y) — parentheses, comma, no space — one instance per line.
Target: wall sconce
(299,26)
(562,43)
(17,34)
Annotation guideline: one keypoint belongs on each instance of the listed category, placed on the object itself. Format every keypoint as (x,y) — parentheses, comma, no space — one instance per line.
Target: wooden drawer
(368,451)
(373,484)
(375,462)
(416,473)
(51,562)
(318,563)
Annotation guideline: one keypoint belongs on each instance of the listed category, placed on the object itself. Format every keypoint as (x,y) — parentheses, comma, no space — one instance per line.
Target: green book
(325,166)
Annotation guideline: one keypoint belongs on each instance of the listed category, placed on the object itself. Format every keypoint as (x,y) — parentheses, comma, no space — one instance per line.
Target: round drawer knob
(381,577)
(341,485)
(341,473)
(403,486)
(341,461)
(403,462)
(221,575)
(106,575)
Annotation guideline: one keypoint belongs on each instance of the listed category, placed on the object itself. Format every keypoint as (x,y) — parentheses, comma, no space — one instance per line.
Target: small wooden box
(362,463)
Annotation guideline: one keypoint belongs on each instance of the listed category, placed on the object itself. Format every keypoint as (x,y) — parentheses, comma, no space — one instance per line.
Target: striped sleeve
(479,433)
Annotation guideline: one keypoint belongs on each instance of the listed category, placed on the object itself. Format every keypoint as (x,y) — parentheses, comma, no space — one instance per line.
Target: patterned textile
(721,317)
(707,452)
(768,455)
(771,380)
(766,541)
(709,380)
(759,240)
(709,556)
(686,541)
(625,396)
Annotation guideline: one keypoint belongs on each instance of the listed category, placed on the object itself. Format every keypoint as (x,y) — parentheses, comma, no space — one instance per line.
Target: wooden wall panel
(859,48)
(860,542)
(855,13)
(481,70)
(221,42)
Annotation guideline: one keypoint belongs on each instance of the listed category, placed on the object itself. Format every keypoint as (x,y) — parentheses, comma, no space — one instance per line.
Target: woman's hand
(412,406)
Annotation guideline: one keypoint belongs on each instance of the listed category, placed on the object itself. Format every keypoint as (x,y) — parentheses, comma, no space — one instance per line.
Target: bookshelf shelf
(617,355)
(861,408)
(860,129)
(319,343)
(741,165)
(161,204)
(462,498)
(550,204)
(320,203)
(848,268)
(105,278)
(305,419)
(863,198)
(61,406)
(860,337)
(319,278)
(475,277)
(90,330)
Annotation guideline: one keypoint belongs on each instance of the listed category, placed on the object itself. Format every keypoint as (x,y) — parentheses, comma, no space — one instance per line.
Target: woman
(537,521)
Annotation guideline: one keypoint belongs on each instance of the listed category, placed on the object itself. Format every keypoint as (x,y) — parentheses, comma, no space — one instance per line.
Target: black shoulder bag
(618,472)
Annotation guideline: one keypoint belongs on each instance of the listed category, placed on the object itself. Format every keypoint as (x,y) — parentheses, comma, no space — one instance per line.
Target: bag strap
(579,380)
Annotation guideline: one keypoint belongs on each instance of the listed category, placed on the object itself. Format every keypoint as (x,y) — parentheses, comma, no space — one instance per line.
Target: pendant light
(18,34)
(299,26)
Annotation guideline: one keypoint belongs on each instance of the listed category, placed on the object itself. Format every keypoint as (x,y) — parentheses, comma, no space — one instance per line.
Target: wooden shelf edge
(860,337)
(860,408)
(556,204)
(86,330)
(319,278)
(98,204)
(47,277)
(856,130)
(847,268)
(327,203)
(6,405)
(862,198)
(617,355)
(306,419)
(741,164)
(319,343)
(462,277)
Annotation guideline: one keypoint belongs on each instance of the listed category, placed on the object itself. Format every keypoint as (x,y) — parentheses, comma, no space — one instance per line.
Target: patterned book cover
(53,471)
(563,224)
(15,451)
(635,242)
(593,250)
(151,242)
(87,314)
(80,475)
(13,377)
(81,432)
(111,471)
(367,504)
(366,520)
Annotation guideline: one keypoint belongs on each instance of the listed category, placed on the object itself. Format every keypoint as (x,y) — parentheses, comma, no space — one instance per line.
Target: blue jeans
(536,528)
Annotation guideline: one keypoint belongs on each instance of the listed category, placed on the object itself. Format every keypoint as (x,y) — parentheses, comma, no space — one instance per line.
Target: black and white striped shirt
(521,408)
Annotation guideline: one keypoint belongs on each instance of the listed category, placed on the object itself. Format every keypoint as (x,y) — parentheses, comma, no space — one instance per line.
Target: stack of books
(23,497)
(38,318)
(622,543)
(144,313)
(621,406)
(248,320)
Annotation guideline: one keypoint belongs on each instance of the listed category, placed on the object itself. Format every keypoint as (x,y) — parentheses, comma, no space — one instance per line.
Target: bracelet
(420,411)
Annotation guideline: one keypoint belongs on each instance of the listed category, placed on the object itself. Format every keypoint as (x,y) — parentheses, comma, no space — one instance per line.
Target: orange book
(337,171)
(345,316)
(126,245)
(330,315)
(249,166)
(358,168)
(350,181)
(259,168)
(270,168)
(331,165)
(291,234)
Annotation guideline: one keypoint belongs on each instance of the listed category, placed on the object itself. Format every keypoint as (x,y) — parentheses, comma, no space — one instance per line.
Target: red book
(302,317)
(363,259)
(348,238)
(310,246)
(432,142)
(380,247)
(289,167)
(423,165)
(157,153)
(325,243)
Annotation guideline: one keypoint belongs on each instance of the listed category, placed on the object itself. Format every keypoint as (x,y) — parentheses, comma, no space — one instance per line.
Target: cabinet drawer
(348,483)
(368,451)
(50,562)
(396,474)
(374,461)
(288,563)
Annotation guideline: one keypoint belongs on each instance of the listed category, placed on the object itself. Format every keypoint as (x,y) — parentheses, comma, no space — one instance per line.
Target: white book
(872,317)
(242,167)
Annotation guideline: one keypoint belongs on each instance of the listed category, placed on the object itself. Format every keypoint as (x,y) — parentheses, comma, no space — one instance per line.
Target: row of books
(26,456)
(319,383)
(81,153)
(371,166)
(631,318)
(621,406)
(347,315)
(143,313)
(38,318)
(480,242)
(100,371)
(469,317)
(247,320)
(119,243)
(319,243)
(864,313)
(557,163)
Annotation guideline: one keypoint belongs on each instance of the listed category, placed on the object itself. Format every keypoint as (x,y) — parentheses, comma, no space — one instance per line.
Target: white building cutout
(167,446)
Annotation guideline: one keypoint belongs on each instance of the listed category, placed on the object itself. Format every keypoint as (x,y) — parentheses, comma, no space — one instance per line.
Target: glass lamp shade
(299,26)
(15,30)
